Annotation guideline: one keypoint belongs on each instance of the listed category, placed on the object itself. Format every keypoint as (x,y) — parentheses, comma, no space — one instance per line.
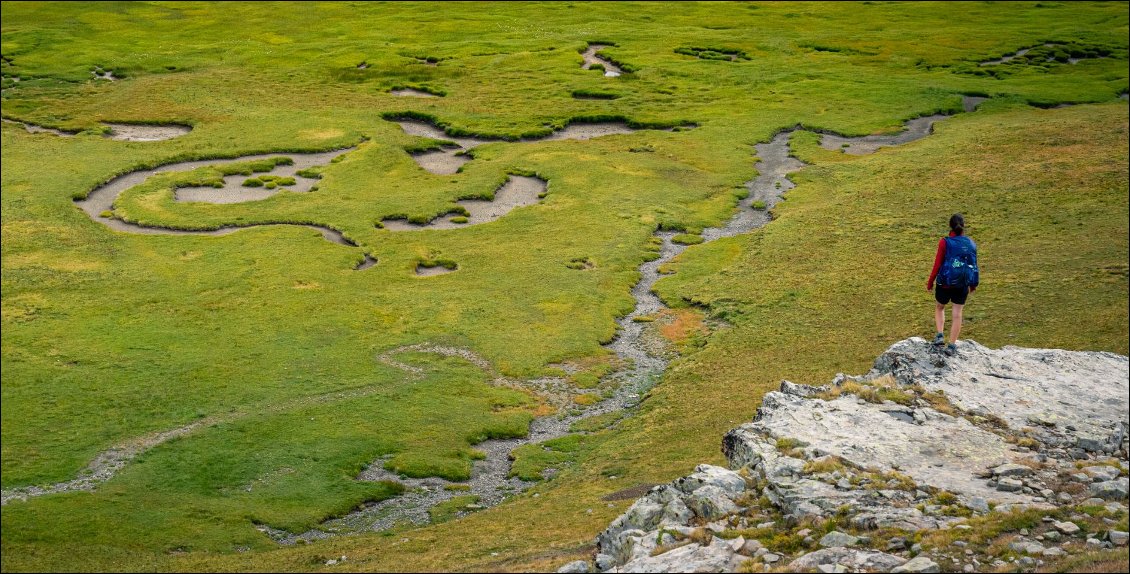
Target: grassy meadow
(108,336)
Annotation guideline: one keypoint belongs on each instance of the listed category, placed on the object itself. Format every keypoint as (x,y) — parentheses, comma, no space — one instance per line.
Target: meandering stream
(490,480)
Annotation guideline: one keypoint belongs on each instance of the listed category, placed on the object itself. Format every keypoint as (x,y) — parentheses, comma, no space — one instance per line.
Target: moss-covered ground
(108,336)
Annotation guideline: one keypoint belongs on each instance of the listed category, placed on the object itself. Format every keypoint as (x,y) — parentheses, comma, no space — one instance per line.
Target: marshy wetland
(453,307)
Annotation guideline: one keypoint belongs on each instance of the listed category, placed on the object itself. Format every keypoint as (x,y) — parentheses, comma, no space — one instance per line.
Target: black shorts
(945,295)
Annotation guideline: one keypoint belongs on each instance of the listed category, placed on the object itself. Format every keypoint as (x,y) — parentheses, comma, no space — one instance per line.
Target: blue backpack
(959,269)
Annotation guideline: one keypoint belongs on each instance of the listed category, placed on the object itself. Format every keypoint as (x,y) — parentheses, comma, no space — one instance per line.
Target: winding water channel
(490,480)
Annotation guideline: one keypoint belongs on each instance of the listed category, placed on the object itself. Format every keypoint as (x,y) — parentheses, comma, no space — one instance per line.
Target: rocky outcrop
(1069,399)
(921,442)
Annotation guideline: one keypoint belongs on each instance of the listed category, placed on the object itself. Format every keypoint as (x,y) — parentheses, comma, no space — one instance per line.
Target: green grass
(110,336)
(449,509)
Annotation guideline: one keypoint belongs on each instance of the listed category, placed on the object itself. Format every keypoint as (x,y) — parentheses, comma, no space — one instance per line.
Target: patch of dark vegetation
(180,123)
(1042,57)
(309,173)
(598,42)
(424,58)
(632,123)
(630,493)
(243,168)
(1049,104)
(428,145)
(269,181)
(836,49)
(580,263)
(624,66)
(676,226)
(587,94)
(419,88)
(713,53)
(445,263)
(537,133)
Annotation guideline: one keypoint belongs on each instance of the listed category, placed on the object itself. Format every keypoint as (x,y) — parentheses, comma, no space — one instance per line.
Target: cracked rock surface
(922,442)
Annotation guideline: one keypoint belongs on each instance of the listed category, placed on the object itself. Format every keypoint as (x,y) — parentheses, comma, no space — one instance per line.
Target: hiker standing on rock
(957,275)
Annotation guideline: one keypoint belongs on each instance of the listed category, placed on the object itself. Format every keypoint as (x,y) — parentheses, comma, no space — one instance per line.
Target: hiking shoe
(939,339)
(951,350)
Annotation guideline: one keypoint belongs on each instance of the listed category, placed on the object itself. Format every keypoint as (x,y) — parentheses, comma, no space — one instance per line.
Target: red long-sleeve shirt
(938,258)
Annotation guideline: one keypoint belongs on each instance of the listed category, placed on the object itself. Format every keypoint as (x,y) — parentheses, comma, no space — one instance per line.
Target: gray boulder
(1101,473)
(711,503)
(576,567)
(1011,469)
(851,559)
(918,564)
(945,453)
(724,479)
(836,538)
(1039,387)
(716,557)
(1117,489)
(1066,527)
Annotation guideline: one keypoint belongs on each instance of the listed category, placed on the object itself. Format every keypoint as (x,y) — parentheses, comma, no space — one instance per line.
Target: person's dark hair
(957,224)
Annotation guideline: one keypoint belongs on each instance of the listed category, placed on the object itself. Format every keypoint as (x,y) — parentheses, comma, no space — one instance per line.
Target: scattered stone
(1117,489)
(1011,469)
(1117,537)
(715,557)
(836,538)
(908,460)
(1101,473)
(1068,528)
(603,561)
(1026,547)
(1009,485)
(576,567)
(751,547)
(851,559)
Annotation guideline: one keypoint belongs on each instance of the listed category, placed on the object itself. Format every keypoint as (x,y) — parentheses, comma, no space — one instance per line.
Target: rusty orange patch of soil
(678,325)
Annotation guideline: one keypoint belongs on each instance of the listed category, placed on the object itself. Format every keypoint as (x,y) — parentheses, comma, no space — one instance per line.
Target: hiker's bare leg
(955,329)
(940,317)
